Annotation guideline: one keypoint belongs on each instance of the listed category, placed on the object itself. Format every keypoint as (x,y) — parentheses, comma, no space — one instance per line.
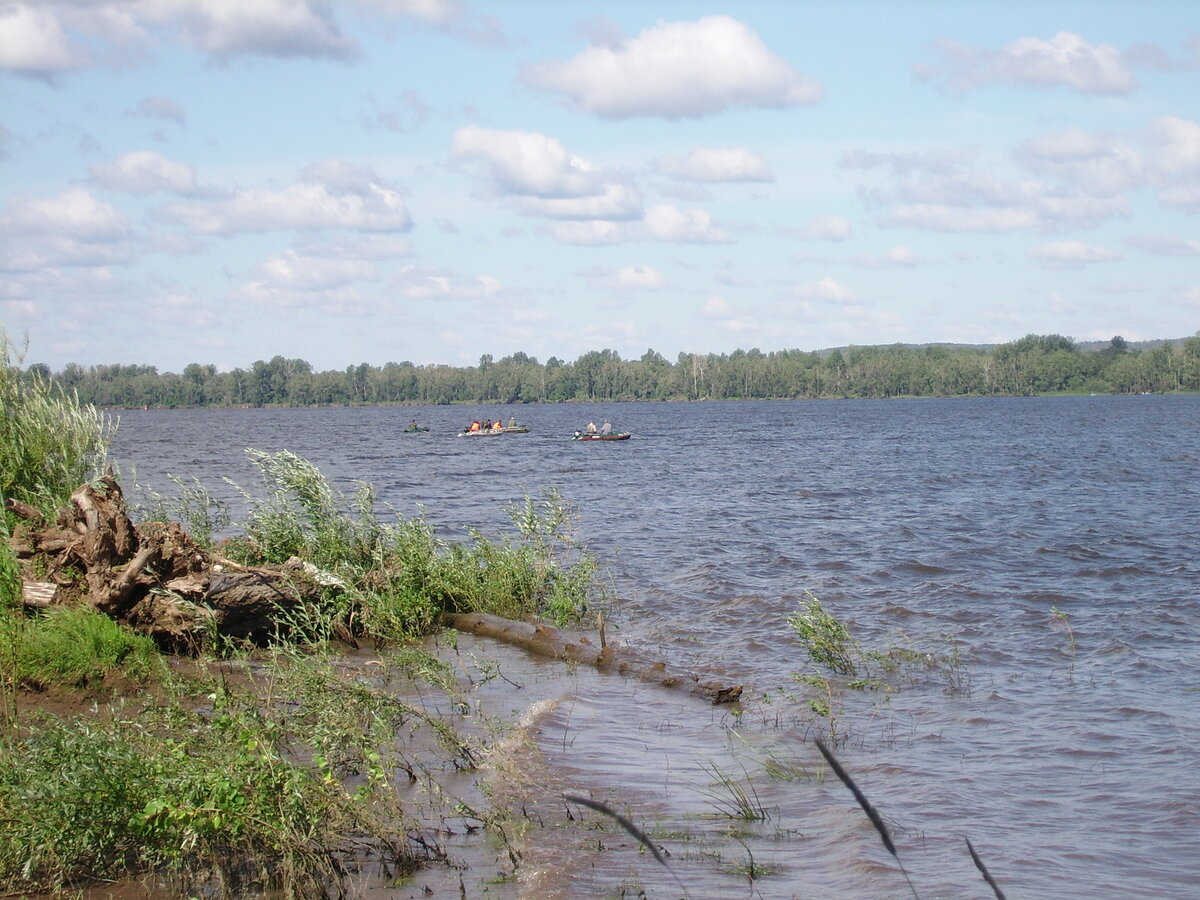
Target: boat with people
(584,436)
(414,428)
(485,428)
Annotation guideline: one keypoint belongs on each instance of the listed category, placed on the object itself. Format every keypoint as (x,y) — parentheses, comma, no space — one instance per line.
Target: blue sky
(429,180)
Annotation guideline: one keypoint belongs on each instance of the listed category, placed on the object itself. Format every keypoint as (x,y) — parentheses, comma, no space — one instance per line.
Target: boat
(619,436)
(495,432)
(414,428)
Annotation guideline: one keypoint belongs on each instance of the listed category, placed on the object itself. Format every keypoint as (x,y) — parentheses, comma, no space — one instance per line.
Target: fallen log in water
(548,641)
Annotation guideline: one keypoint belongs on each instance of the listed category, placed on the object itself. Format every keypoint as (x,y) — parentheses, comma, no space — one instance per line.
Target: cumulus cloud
(826,291)
(145,172)
(716,164)
(1099,164)
(1070,254)
(618,202)
(74,213)
(426,283)
(279,28)
(1065,59)
(629,278)
(895,257)
(827,228)
(978,201)
(538,173)
(1166,245)
(162,108)
(53,36)
(296,271)
(591,234)
(676,70)
(33,42)
(529,163)
(690,226)
(330,197)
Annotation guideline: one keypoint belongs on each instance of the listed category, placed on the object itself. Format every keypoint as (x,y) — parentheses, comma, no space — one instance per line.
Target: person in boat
(498,425)
(591,428)
(474,426)
(606,428)
(512,423)
(413,426)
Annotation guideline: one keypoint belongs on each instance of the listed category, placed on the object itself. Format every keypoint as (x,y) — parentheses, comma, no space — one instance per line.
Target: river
(1049,542)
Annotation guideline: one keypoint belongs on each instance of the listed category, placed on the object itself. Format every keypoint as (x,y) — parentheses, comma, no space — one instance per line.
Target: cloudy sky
(432,180)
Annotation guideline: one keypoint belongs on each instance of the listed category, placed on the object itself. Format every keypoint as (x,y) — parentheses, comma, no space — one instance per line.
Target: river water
(1049,542)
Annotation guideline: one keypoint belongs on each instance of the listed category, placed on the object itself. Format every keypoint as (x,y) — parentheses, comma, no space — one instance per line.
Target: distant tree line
(1035,364)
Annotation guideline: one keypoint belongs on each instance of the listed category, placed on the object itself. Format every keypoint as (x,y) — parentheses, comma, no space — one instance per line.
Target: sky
(432,180)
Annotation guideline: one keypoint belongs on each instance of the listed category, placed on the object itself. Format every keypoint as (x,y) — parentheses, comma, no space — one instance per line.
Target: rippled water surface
(1052,540)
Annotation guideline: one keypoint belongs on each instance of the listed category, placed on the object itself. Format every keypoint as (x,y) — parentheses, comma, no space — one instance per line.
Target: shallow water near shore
(1051,540)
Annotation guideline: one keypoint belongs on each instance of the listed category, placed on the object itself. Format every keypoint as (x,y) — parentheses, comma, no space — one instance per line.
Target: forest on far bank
(1035,364)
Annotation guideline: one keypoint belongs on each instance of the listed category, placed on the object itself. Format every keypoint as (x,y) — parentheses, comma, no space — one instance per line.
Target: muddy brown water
(1069,758)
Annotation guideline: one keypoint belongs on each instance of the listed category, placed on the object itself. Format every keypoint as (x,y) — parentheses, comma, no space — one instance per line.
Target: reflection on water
(1070,762)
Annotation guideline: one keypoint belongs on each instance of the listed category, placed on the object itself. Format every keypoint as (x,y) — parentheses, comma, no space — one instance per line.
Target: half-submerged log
(548,641)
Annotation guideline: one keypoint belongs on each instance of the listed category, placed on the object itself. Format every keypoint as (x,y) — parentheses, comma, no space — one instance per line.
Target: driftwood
(546,640)
(154,578)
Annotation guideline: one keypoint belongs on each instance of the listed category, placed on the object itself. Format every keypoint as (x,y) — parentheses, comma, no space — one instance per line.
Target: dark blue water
(1051,540)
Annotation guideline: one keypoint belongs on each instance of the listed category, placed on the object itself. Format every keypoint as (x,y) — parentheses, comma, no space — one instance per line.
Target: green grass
(72,647)
(278,788)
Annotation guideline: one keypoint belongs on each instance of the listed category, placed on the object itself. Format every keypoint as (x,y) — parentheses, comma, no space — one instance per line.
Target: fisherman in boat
(498,425)
(512,423)
(606,428)
(591,428)
(474,426)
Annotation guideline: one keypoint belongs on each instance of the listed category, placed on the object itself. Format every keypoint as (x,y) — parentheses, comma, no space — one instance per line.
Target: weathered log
(24,510)
(546,640)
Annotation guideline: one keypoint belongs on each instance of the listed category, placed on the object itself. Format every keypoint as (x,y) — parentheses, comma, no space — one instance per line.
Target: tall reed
(50,443)
(872,813)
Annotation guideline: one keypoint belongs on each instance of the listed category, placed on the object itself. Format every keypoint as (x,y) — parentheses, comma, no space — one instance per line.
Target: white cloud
(618,201)
(424,283)
(74,213)
(689,226)
(1070,254)
(357,246)
(144,172)
(896,257)
(528,163)
(1065,59)
(716,307)
(1099,165)
(44,252)
(591,234)
(435,12)
(826,290)
(956,219)
(677,70)
(280,28)
(1174,156)
(1166,245)
(716,164)
(33,42)
(630,278)
(295,271)
(162,108)
(827,228)
(303,207)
